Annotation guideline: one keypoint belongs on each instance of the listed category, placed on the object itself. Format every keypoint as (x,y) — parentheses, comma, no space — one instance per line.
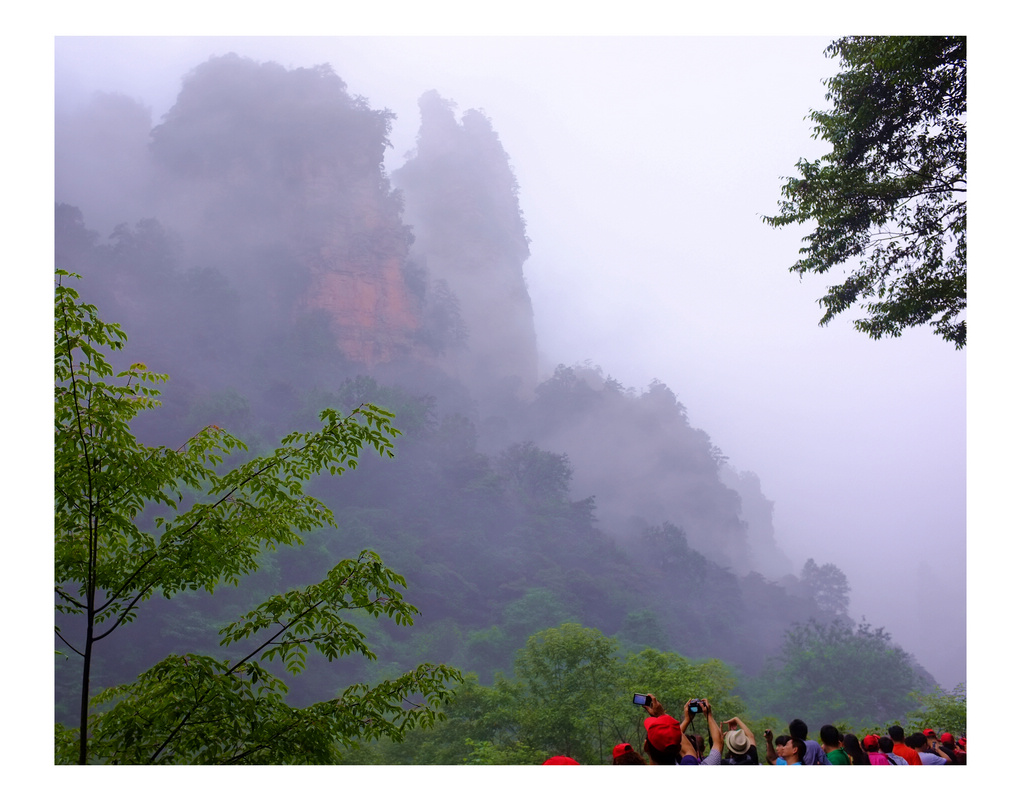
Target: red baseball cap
(663,731)
(947,738)
(561,760)
(621,748)
(870,741)
(929,733)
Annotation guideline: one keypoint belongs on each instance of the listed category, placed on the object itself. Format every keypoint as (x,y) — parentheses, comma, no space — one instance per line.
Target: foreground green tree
(132,521)
(891,195)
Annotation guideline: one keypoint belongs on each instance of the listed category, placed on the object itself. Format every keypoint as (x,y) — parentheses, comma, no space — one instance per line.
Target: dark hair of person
(781,740)
(896,734)
(798,728)
(668,756)
(854,750)
(916,740)
(802,748)
(886,745)
(830,735)
(629,757)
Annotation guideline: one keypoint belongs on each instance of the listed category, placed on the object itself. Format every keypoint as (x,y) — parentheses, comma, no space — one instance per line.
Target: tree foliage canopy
(132,521)
(571,694)
(827,585)
(891,194)
(943,711)
(839,672)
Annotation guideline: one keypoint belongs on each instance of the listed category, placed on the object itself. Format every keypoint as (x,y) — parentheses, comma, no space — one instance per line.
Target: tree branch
(57,632)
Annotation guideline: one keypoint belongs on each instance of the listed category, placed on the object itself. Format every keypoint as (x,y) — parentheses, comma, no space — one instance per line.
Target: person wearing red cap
(954,747)
(949,747)
(664,741)
(561,760)
(870,742)
(624,754)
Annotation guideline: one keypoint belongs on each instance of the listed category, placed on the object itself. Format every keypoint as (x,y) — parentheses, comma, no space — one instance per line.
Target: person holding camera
(740,744)
(664,742)
(702,706)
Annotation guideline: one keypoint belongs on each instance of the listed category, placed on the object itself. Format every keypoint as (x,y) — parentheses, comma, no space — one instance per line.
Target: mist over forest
(253,245)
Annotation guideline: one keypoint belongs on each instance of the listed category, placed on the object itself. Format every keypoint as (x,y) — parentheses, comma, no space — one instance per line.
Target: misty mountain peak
(461,198)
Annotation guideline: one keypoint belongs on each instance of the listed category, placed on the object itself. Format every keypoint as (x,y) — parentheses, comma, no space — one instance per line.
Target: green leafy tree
(838,672)
(942,711)
(827,586)
(891,194)
(480,726)
(535,476)
(568,673)
(132,521)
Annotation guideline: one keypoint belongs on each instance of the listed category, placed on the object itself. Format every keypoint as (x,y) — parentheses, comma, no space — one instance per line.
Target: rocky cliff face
(355,265)
(274,178)
(276,175)
(280,174)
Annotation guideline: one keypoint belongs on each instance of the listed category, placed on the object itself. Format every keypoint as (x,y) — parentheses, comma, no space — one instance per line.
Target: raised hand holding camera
(649,703)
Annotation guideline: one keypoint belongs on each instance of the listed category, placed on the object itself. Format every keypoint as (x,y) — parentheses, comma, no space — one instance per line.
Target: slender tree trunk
(83,720)
(90,616)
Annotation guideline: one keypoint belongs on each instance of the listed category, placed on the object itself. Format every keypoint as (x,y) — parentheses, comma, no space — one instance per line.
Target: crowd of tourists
(668,742)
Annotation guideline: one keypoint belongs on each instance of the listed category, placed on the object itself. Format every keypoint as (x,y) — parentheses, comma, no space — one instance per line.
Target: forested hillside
(259,254)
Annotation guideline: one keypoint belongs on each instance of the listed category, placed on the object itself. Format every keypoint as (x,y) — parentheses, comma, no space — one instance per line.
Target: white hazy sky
(645,165)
